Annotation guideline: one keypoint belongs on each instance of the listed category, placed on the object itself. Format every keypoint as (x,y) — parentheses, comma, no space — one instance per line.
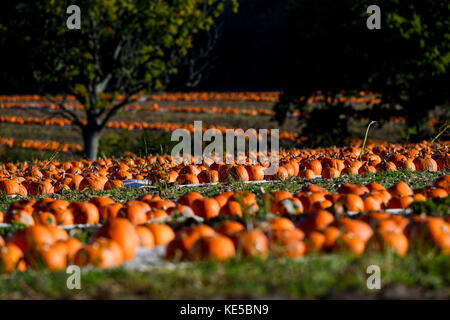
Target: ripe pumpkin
(217,247)
(359,228)
(318,220)
(223,197)
(179,248)
(146,237)
(85,213)
(255,172)
(58,234)
(206,208)
(315,241)
(189,198)
(33,238)
(162,233)
(208,176)
(11,258)
(72,245)
(231,208)
(281,223)
(351,243)
(295,249)
(102,203)
(400,189)
(123,232)
(55,256)
(251,243)
(397,242)
(285,236)
(350,203)
(134,213)
(230,227)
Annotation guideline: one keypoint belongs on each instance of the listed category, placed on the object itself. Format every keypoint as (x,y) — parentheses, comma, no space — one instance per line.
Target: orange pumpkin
(124,233)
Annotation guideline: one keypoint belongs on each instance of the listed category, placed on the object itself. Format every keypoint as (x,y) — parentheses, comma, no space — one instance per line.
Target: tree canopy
(332,50)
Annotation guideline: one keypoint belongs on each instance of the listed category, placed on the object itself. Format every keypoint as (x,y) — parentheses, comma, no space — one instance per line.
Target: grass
(314,276)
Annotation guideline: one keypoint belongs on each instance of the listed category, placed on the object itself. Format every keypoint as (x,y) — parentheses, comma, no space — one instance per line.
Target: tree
(327,54)
(413,73)
(124,47)
(333,51)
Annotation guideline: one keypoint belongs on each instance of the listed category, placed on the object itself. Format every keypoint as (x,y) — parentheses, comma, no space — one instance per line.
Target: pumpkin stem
(365,139)
(440,133)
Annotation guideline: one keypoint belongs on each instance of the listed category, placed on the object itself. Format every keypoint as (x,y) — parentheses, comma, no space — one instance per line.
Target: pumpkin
(12,187)
(400,189)
(281,223)
(238,173)
(285,236)
(294,249)
(33,237)
(85,213)
(55,256)
(20,216)
(72,245)
(102,203)
(427,165)
(187,179)
(189,198)
(58,234)
(217,247)
(146,237)
(134,213)
(350,243)
(162,233)
(395,241)
(315,241)
(123,233)
(230,227)
(223,198)
(45,218)
(356,227)
(231,208)
(11,258)
(179,248)
(208,176)
(255,172)
(206,208)
(318,220)
(251,243)
(350,203)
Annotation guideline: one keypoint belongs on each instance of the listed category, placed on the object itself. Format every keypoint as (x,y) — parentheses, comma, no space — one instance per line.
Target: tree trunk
(91,137)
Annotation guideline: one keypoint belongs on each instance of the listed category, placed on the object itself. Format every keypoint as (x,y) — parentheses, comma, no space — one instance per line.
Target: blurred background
(318,74)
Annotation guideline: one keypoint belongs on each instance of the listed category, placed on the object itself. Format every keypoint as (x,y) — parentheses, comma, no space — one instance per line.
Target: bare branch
(70,115)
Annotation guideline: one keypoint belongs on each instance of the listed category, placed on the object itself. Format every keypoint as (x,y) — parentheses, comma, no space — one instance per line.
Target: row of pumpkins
(137,125)
(364,97)
(154,107)
(285,231)
(349,198)
(185,109)
(47,177)
(40,145)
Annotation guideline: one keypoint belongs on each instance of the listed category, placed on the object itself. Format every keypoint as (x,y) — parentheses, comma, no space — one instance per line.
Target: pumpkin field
(308,231)
(187,150)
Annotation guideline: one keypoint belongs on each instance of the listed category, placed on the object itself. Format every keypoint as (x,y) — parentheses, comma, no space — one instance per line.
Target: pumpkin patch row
(154,107)
(298,224)
(191,109)
(47,177)
(40,145)
(348,199)
(364,97)
(135,125)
